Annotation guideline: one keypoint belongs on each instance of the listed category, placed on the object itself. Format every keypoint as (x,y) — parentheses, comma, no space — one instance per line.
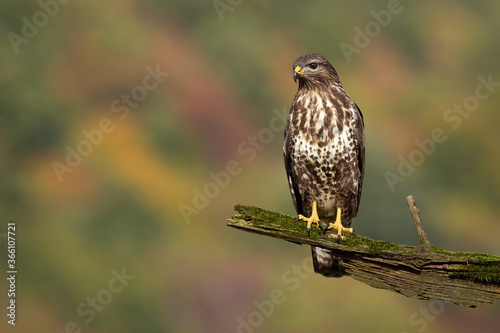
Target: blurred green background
(67,68)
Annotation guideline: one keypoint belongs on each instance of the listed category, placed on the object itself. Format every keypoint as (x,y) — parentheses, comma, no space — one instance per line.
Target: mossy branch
(423,272)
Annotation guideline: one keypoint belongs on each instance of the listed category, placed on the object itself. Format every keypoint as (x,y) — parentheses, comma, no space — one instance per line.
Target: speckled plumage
(324,146)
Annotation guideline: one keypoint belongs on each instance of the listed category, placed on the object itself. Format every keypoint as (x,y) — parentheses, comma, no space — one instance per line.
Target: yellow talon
(338,224)
(310,220)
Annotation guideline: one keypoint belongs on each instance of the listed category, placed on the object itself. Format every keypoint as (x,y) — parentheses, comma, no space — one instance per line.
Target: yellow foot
(310,220)
(338,225)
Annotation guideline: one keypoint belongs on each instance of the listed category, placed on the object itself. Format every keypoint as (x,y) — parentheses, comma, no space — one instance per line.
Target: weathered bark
(423,272)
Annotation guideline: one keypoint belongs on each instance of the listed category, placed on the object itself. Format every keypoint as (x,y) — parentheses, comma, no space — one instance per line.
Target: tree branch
(415,214)
(423,272)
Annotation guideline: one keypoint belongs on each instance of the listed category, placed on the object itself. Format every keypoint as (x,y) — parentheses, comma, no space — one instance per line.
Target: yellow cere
(298,70)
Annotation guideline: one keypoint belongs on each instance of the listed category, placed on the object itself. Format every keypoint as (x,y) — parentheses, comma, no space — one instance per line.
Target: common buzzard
(324,153)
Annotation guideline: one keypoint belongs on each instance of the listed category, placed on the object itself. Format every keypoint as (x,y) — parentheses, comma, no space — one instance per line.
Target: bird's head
(313,69)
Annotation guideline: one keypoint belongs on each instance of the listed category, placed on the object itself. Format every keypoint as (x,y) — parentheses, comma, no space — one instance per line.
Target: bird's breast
(320,132)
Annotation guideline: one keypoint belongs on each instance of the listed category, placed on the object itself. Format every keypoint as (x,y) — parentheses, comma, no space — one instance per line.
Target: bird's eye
(313,65)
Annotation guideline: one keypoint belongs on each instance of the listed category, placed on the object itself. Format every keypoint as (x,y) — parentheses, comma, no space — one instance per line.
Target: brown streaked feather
(292,183)
(359,133)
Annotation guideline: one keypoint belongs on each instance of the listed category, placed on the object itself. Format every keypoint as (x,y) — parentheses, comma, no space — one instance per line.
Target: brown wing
(359,134)
(292,181)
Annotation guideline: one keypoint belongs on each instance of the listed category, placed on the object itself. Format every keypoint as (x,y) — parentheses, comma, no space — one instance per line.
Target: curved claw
(312,219)
(319,226)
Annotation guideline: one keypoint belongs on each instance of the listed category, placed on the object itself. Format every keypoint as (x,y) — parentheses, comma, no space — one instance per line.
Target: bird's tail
(325,263)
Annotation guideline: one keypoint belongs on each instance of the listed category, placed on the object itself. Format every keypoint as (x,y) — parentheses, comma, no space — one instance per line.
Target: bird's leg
(310,220)
(338,225)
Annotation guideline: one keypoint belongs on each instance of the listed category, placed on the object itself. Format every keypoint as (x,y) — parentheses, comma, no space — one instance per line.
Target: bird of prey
(324,153)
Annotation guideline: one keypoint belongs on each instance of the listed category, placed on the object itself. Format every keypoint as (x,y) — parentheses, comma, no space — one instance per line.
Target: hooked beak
(296,73)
